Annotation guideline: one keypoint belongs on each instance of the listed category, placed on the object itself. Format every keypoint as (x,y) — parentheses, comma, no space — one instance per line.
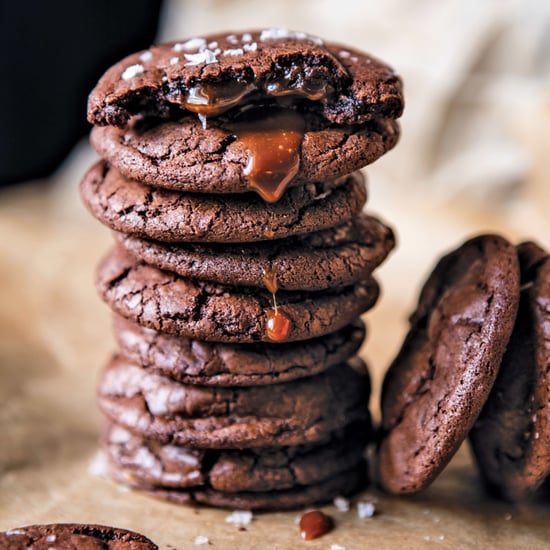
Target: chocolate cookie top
(332,258)
(184,156)
(441,378)
(207,311)
(134,208)
(73,535)
(291,413)
(215,364)
(511,439)
(147,464)
(220,71)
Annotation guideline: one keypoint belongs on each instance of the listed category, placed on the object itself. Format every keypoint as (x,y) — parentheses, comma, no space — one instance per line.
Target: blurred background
(474,156)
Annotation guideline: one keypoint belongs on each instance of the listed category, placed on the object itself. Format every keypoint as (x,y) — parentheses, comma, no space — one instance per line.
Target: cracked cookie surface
(511,438)
(354,86)
(207,311)
(290,413)
(332,258)
(184,156)
(215,364)
(137,209)
(74,535)
(437,385)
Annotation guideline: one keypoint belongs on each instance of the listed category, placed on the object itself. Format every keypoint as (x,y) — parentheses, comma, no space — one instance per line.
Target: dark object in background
(51,55)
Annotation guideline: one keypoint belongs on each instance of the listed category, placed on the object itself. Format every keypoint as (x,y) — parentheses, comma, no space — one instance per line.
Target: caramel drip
(314,524)
(212,100)
(273,142)
(278,324)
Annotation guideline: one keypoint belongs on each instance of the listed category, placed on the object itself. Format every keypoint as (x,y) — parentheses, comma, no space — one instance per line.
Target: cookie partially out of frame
(289,413)
(511,439)
(216,364)
(440,380)
(207,311)
(74,535)
(332,258)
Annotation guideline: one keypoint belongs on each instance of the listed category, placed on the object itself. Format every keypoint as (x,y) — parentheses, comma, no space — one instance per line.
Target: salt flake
(233,51)
(191,44)
(146,55)
(239,517)
(341,504)
(200,540)
(365,509)
(132,71)
(204,56)
(250,47)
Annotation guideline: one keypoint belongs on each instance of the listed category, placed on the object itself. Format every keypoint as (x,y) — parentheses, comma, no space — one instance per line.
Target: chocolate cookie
(73,535)
(207,311)
(221,71)
(345,483)
(290,413)
(332,258)
(215,364)
(511,439)
(134,208)
(184,156)
(441,378)
(149,464)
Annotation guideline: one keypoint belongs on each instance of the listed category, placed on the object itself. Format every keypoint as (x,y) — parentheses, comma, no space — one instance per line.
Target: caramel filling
(278,324)
(273,142)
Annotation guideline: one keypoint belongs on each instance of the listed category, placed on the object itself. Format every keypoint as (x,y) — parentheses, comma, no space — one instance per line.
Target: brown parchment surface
(55,335)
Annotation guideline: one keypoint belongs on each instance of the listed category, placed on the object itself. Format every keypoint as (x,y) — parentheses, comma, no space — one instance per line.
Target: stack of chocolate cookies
(243,262)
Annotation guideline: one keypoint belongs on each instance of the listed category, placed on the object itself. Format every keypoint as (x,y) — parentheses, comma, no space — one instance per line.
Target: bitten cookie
(331,107)
(197,309)
(441,378)
(290,413)
(216,364)
(511,439)
(73,535)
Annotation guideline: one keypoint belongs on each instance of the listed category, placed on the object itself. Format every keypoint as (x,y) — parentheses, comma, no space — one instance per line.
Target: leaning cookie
(73,535)
(137,209)
(216,364)
(336,257)
(207,311)
(511,439)
(290,413)
(441,378)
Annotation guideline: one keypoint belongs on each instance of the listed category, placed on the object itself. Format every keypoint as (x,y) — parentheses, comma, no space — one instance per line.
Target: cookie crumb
(365,509)
(132,71)
(341,504)
(201,539)
(240,517)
